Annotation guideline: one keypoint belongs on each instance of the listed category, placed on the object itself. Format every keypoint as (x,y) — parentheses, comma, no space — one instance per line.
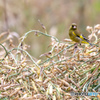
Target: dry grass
(23,77)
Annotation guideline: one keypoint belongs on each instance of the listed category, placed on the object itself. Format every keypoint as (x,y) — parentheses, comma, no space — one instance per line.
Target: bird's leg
(76,45)
(75,48)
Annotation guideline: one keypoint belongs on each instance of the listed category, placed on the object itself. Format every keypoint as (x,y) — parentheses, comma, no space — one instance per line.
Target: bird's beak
(74,27)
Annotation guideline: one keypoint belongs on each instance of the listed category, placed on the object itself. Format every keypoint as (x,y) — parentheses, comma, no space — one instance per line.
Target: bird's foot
(75,48)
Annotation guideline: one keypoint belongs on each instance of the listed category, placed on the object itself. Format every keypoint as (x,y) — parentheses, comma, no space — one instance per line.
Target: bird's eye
(72,25)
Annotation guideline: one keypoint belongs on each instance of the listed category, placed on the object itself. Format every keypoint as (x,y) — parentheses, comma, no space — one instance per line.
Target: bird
(76,36)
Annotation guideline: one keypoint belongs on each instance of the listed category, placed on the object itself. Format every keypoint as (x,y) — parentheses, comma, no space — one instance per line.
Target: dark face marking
(74,26)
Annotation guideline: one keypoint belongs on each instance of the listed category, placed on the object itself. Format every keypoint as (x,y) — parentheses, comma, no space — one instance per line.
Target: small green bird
(76,36)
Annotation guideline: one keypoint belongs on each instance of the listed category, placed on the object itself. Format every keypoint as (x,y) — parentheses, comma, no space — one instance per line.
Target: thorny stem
(85,62)
(5,51)
(36,32)
(56,54)
(92,74)
(58,62)
(53,85)
(26,53)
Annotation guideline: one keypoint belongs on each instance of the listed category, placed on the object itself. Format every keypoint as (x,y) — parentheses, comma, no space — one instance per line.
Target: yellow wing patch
(74,33)
(83,40)
(81,37)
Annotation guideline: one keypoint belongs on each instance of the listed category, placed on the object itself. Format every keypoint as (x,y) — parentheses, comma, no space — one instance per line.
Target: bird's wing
(85,38)
(77,33)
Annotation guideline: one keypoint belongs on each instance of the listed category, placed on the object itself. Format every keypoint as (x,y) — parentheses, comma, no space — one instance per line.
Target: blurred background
(21,16)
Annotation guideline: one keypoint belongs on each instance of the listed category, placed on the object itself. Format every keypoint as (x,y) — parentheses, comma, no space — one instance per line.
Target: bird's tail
(90,44)
(87,42)
(93,44)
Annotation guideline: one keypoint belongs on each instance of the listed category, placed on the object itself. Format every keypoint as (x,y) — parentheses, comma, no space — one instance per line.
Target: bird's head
(73,26)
